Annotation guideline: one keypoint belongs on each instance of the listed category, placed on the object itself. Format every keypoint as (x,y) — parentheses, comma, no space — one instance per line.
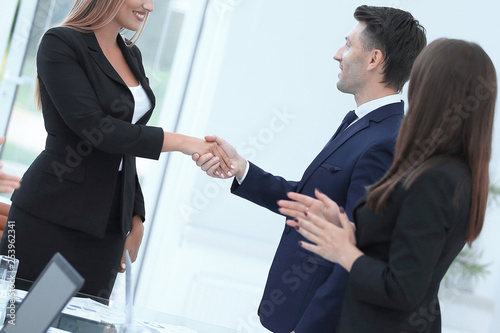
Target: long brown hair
(451,96)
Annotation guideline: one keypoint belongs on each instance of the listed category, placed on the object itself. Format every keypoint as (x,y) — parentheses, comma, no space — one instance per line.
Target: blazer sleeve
(60,68)
(263,188)
(420,233)
(139,207)
(323,312)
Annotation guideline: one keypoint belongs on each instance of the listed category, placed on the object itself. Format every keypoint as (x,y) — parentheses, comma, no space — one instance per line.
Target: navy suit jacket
(303,291)
(87,111)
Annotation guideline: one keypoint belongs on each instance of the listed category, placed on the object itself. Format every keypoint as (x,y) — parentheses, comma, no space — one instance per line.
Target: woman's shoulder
(63,32)
(444,175)
(65,35)
(447,168)
(62,38)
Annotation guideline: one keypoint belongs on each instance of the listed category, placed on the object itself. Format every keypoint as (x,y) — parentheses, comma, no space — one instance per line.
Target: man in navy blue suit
(304,292)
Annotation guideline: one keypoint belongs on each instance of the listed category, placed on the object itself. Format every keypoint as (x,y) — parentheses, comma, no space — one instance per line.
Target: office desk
(157,322)
(89,314)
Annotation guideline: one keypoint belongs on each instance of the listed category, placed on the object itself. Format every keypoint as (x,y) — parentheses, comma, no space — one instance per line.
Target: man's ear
(376,60)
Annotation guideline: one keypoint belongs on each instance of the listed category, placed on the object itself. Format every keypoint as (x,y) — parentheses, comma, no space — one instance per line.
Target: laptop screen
(52,290)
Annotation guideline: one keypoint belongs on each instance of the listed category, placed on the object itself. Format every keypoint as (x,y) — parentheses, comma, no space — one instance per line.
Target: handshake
(221,160)
(214,155)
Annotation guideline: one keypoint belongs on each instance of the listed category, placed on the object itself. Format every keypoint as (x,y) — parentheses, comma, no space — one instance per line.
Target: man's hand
(190,145)
(210,163)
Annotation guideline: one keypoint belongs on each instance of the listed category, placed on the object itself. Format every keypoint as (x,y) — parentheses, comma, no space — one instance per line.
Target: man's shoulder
(394,110)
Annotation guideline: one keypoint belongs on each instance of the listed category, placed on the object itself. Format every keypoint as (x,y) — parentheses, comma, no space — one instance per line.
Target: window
(20,117)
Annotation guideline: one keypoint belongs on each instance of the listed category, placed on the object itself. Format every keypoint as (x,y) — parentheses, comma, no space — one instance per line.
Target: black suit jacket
(87,110)
(408,249)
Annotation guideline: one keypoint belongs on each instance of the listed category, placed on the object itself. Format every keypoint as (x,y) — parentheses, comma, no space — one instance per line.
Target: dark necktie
(348,119)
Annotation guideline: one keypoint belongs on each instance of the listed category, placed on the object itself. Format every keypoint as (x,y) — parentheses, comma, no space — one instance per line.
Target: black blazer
(408,249)
(87,110)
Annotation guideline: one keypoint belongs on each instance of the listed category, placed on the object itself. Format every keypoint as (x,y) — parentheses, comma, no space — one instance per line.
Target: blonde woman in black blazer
(412,223)
(81,196)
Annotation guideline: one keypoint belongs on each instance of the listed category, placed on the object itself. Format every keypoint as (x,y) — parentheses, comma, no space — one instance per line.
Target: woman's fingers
(304,199)
(290,212)
(208,163)
(306,230)
(329,203)
(225,162)
(224,158)
(223,168)
(311,225)
(344,220)
(310,247)
(291,207)
(292,223)
(307,204)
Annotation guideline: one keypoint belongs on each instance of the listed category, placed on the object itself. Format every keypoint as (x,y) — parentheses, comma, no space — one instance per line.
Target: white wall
(264,79)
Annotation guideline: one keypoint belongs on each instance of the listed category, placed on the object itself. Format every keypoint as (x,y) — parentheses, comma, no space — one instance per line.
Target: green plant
(494,194)
(466,269)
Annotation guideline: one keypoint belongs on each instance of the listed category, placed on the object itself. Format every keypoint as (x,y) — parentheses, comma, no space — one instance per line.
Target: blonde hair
(90,15)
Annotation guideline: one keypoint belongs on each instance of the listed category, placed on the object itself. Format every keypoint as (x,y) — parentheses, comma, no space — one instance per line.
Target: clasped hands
(320,220)
(323,223)
(232,163)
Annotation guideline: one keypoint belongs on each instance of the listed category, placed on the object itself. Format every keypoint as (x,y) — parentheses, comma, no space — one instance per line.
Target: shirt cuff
(244,174)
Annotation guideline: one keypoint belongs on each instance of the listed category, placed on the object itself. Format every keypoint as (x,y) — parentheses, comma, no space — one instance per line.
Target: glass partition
(25,132)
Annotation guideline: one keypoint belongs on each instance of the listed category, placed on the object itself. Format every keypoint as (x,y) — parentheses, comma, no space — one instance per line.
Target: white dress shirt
(142,104)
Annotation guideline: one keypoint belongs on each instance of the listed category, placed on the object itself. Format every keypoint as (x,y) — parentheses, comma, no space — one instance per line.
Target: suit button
(287,229)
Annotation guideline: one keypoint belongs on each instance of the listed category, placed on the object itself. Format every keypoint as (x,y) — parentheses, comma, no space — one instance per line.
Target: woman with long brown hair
(412,223)
(81,196)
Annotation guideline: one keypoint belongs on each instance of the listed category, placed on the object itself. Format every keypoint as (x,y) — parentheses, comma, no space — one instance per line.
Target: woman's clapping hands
(325,224)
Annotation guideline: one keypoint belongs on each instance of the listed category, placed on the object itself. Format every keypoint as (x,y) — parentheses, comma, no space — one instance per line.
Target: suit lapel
(332,146)
(99,57)
(360,125)
(134,66)
(103,63)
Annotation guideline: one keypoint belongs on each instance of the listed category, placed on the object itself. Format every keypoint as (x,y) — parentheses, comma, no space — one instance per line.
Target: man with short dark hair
(304,292)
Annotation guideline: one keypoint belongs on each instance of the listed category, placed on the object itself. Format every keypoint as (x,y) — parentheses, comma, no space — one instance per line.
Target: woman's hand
(336,244)
(209,163)
(190,145)
(8,183)
(325,207)
(133,242)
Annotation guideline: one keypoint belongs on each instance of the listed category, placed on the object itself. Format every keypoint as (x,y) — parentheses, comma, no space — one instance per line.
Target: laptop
(51,291)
